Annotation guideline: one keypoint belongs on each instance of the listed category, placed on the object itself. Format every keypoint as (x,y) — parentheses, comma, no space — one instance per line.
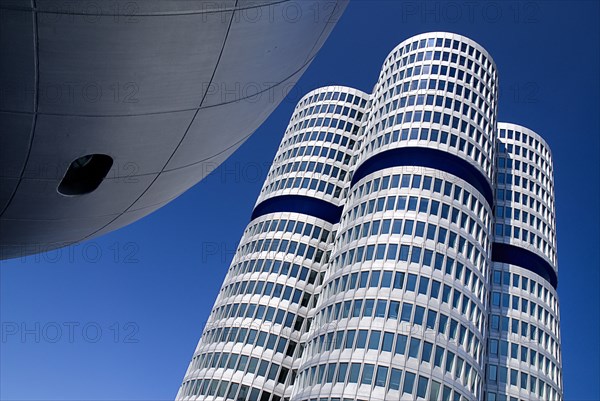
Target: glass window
(369,304)
(401,344)
(411,282)
(395,377)
(380,378)
(388,339)
(386,281)
(262,369)
(341,376)
(409,383)
(449,361)
(380,309)
(406,312)
(393,311)
(330,373)
(354,371)
(367,375)
(399,280)
(374,340)
(252,365)
(435,391)
(439,356)
(419,312)
(362,338)
(423,285)
(431,318)
(350,335)
(426,354)
(435,289)
(413,350)
(422,387)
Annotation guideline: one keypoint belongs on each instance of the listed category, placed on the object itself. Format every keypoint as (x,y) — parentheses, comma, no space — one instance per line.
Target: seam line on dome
(36,10)
(310,60)
(36,77)
(180,141)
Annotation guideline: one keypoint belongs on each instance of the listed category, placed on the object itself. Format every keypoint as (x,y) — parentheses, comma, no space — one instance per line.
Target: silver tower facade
(375,265)
(253,341)
(524,356)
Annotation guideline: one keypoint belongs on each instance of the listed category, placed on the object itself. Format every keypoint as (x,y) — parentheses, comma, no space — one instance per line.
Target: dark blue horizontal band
(429,158)
(515,255)
(299,204)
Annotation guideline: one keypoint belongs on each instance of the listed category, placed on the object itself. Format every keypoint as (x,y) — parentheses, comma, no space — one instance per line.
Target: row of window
(433,135)
(289,226)
(265,288)
(454,120)
(552,395)
(327,122)
(396,344)
(241,335)
(335,399)
(405,312)
(520,353)
(543,237)
(333,96)
(480,112)
(462,48)
(416,228)
(383,279)
(309,167)
(341,156)
(478,78)
(545,210)
(401,84)
(526,236)
(229,389)
(502,325)
(508,195)
(469,101)
(321,136)
(528,140)
(515,280)
(260,312)
(403,253)
(289,247)
(538,169)
(419,182)
(440,101)
(526,306)
(517,182)
(321,184)
(339,109)
(516,214)
(437,100)
(390,379)
(521,381)
(472,61)
(274,266)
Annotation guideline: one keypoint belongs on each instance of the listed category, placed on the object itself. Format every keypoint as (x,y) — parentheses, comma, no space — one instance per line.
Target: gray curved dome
(111,109)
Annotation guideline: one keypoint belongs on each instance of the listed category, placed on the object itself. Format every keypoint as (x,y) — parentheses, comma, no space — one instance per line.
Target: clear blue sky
(147,289)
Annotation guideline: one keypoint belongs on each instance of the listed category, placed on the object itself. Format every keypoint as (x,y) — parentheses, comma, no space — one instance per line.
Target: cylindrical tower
(249,347)
(403,247)
(524,358)
(402,310)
